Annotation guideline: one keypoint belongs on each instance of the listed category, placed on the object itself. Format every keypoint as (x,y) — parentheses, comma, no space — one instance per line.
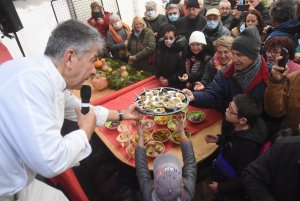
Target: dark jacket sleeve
(189,170)
(247,154)
(258,176)
(174,78)
(213,95)
(209,74)
(142,173)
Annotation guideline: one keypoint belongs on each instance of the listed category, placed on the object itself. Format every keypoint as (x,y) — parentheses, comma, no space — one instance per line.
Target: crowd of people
(243,63)
(226,58)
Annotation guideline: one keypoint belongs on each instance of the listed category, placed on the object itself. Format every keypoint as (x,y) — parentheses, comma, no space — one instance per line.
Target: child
(241,146)
(171,182)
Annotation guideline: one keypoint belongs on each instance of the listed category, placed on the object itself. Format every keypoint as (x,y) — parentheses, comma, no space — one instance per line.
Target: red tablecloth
(122,98)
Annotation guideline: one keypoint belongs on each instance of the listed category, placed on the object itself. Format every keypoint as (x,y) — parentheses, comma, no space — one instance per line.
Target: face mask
(242,27)
(169,43)
(117,24)
(212,24)
(150,13)
(173,18)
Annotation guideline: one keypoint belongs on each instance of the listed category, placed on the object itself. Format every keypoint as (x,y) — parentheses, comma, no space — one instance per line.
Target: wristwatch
(121,117)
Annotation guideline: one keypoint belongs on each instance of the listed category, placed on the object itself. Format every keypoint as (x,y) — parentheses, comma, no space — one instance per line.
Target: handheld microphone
(85,94)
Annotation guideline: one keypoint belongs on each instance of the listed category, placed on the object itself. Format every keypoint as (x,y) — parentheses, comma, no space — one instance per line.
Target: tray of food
(161,101)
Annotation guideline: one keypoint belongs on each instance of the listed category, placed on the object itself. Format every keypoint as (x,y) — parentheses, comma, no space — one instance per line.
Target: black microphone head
(85,92)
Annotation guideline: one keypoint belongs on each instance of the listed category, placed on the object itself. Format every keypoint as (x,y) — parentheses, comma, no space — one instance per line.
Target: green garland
(113,75)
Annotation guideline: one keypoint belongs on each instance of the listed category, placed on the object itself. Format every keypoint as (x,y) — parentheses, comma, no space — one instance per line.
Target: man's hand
(213,187)
(211,138)
(199,86)
(275,73)
(265,31)
(86,122)
(184,78)
(189,93)
(131,112)
(236,14)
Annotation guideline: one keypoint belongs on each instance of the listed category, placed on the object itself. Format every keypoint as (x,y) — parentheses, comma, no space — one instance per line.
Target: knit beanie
(198,37)
(248,42)
(192,4)
(96,4)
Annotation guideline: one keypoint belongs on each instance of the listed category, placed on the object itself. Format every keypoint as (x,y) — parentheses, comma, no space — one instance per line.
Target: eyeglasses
(230,110)
(196,45)
(172,13)
(273,52)
(224,9)
(212,19)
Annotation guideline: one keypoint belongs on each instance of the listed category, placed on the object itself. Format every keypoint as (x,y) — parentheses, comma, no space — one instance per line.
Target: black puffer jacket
(170,61)
(264,13)
(240,149)
(209,73)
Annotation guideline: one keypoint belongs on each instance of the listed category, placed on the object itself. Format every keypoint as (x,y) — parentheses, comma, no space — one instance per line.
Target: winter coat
(189,172)
(275,175)
(217,32)
(228,21)
(203,57)
(209,73)
(186,26)
(102,28)
(239,149)
(289,29)
(142,48)
(264,13)
(116,47)
(225,86)
(156,23)
(170,61)
(283,99)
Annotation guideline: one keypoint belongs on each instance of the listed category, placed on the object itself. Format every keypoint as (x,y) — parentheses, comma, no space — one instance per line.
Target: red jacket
(102,28)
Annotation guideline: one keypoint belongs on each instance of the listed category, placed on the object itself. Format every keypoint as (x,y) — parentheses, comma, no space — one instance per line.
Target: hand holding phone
(244,7)
(285,55)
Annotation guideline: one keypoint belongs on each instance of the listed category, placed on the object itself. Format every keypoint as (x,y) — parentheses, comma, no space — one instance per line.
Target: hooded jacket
(170,61)
(241,148)
(288,29)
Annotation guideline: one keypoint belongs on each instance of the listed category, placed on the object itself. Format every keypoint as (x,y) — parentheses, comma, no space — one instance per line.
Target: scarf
(116,37)
(245,77)
(150,18)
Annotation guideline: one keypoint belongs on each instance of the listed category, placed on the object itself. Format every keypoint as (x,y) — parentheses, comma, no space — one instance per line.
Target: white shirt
(33,105)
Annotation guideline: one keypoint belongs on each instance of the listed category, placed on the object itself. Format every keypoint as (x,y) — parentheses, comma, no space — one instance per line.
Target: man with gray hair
(173,14)
(226,15)
(34,102)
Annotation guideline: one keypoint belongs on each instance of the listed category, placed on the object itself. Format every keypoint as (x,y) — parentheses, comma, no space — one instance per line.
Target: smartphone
(285,55)
(97,15)
(244,7)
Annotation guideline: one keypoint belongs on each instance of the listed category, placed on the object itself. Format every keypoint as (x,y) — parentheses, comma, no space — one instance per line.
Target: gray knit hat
(192,4)
(248,42)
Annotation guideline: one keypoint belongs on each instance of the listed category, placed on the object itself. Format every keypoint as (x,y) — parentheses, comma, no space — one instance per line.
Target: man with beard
(214,28)
(194,21)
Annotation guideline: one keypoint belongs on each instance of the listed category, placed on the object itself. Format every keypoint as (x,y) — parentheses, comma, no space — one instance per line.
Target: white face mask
(117,24)
(169,43)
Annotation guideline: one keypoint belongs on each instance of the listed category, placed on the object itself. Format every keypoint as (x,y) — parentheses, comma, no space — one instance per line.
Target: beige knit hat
(96,4)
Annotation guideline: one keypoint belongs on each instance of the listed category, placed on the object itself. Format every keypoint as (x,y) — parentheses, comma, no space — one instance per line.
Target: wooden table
(201,148)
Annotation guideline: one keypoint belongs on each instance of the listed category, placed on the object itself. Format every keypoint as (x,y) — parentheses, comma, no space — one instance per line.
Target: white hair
(151,4)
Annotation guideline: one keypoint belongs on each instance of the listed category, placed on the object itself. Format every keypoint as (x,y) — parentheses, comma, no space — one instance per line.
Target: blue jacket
(225,86)
(289,29)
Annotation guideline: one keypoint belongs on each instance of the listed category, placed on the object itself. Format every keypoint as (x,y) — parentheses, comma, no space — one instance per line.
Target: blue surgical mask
(173,18)
(212,24)
(151,13)
(117,24)
(242,27)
